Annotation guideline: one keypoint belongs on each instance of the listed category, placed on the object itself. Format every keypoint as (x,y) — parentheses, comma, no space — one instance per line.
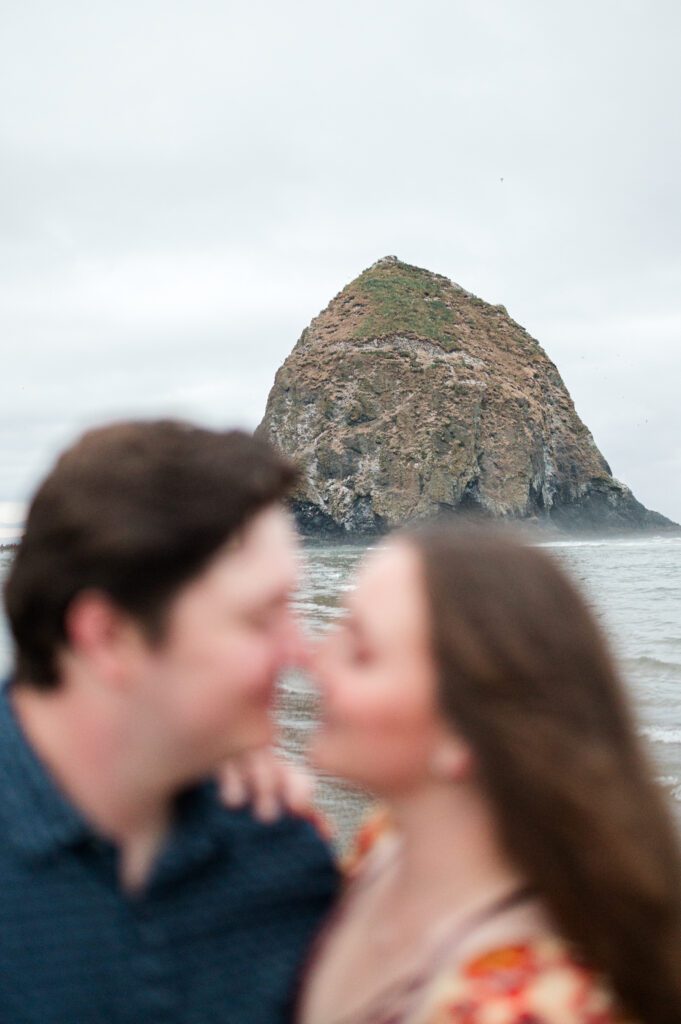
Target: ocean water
(634,586)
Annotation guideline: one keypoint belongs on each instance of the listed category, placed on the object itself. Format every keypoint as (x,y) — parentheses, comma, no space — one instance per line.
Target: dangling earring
(442,763)
(449,762)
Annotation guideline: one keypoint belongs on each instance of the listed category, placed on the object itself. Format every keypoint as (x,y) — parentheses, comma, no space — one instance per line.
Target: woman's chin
(320,752)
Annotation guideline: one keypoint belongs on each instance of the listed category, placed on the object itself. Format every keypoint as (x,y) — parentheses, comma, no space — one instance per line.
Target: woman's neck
(450,847)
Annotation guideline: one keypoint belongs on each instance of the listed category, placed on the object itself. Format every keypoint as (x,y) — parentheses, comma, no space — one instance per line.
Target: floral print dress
(536,981)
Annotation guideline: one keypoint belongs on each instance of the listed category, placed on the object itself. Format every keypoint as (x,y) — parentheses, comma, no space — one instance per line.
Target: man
(149,603)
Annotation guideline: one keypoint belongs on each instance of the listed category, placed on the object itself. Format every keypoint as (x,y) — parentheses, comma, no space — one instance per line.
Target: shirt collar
(37,818)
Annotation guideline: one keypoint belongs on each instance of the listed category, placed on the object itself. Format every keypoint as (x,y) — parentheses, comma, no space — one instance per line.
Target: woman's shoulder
(538,981)
(535,981)
(376,829)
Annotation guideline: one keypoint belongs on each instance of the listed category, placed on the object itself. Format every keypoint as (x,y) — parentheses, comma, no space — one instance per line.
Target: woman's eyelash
(356,650)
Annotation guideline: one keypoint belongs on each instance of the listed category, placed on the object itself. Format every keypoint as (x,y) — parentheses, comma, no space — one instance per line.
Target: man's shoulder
(290,844)
(36,819)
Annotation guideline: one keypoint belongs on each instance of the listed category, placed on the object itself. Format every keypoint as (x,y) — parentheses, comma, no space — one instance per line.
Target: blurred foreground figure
(149,603)
(527,871)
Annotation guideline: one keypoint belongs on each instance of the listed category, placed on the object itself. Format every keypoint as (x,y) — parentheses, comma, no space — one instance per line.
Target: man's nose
(295,646)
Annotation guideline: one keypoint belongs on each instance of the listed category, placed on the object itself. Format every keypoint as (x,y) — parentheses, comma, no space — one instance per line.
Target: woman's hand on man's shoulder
(272,786)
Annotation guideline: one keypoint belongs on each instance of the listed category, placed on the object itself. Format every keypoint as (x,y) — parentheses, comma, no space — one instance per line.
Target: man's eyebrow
(283,596)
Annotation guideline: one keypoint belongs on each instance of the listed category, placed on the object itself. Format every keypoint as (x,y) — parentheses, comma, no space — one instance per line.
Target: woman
(530,874)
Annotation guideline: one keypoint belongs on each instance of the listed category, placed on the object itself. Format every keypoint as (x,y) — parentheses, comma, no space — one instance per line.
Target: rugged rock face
(408,397)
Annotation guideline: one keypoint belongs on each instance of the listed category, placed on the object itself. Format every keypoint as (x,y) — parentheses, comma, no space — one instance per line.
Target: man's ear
(99,633)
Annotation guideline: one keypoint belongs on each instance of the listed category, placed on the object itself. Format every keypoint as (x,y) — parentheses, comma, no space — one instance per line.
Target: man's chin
(263,735)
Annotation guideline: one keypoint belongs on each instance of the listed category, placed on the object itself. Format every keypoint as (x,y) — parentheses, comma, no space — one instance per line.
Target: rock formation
(409,396)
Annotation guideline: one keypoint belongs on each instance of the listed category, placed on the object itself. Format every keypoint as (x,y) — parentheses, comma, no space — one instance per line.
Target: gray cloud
(181,190)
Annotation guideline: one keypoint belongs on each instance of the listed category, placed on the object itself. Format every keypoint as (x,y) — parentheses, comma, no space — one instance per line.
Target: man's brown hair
(526,677)
(134,509)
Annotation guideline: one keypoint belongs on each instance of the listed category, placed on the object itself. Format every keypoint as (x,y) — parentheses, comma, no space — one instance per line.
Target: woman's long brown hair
(526,677)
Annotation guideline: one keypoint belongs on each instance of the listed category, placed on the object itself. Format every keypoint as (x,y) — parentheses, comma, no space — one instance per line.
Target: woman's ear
(451,760)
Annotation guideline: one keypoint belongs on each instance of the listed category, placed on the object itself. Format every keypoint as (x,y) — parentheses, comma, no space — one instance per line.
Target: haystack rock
(409,397)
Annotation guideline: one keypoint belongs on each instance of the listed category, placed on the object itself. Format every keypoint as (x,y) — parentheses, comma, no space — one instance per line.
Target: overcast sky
(183,186)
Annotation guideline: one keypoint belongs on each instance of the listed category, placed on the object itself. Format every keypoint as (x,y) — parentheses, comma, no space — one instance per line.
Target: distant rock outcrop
(408,397)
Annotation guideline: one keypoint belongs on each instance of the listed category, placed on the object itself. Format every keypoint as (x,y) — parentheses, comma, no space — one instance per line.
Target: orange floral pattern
(537,982)
(532,983)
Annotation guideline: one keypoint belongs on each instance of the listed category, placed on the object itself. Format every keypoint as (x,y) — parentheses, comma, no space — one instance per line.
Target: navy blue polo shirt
(217,936)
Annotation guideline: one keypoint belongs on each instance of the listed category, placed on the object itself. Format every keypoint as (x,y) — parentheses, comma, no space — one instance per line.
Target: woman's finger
(264,784)
(232,782)
(297,789)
